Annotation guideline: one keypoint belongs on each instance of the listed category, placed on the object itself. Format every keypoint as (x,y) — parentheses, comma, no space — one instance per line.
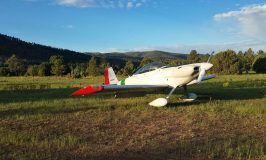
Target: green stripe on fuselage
(123,82)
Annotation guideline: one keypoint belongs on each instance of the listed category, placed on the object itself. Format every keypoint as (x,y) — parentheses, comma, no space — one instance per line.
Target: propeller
(203,68)
(201,74)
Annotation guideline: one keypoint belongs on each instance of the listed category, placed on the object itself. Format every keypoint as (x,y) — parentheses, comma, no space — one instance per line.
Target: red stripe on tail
(106,77)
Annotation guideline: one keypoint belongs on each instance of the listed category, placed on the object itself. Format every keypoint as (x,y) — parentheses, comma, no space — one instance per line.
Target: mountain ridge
(37,53)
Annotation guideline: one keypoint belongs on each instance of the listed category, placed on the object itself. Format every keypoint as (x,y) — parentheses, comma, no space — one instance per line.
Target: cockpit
(149,67)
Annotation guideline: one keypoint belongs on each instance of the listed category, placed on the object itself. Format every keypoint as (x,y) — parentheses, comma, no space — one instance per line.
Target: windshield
(149,67)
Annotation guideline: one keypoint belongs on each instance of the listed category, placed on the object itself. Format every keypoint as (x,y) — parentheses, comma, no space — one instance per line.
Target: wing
(112,88)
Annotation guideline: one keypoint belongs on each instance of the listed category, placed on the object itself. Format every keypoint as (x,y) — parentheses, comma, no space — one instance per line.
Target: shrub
(259,64)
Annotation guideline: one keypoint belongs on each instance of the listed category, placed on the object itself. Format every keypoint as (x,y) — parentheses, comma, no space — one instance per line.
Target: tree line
(230,62)
(224,62)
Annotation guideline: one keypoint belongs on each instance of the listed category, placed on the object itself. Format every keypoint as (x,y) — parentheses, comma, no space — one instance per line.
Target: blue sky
(137,25)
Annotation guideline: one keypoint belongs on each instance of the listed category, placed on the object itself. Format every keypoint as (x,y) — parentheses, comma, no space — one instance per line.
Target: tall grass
(228,121)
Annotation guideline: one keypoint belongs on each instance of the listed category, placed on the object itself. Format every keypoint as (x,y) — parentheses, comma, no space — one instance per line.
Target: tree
(4,71)
(249,58)
(204,58)
(128,69)
(92,69)
(226,62)
(78,70)
(103,66)
(44,69)
(32,70)
(145,61)
(176,62)
(259,64)
(2,62)
(243,62)
(58,67)
(16,66)
(193,57)
(260,52)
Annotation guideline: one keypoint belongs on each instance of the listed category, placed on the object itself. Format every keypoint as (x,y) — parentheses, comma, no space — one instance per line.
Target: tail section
(109,76)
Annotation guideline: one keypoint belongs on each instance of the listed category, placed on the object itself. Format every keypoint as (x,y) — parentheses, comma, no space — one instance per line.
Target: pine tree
(58,67)
(249,58)
(92,69)
(128,69)
(193,57)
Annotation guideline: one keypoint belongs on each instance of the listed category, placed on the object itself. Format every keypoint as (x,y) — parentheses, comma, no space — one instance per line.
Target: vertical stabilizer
(109,76)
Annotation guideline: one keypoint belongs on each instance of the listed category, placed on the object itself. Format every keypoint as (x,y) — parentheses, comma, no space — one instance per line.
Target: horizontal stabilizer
(87,90)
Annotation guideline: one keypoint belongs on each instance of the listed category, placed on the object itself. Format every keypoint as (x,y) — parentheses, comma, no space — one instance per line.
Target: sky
(137,25)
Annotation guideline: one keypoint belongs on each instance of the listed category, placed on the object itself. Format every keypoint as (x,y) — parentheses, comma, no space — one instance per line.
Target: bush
(259,64)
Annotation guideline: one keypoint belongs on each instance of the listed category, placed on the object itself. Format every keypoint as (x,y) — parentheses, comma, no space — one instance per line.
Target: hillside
(36,53)
(157,55)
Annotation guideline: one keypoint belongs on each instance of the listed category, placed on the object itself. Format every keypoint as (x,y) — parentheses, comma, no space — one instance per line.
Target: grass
(38,120)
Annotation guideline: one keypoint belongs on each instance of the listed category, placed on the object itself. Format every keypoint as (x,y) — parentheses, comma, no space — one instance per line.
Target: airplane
(154,75)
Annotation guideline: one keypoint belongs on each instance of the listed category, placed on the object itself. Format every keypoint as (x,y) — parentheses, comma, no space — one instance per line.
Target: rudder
(109,76)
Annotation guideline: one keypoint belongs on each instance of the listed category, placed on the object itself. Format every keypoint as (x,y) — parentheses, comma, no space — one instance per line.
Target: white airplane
(153,76)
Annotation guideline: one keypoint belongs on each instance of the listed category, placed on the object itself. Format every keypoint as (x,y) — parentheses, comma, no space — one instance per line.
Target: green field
(38,120)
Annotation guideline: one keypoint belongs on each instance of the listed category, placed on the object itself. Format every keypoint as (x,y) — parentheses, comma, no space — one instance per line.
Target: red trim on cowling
(106,77)
(87,90)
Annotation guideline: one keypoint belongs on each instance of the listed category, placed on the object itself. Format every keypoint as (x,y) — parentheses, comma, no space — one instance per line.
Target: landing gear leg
(188,96)
(185,90)
(160,102)
(171,92)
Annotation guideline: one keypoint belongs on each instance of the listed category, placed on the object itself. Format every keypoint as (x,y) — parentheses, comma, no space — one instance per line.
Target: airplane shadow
(204,95)
(37,95)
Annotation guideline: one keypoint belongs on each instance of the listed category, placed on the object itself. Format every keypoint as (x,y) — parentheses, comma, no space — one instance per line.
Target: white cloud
(251,20)
(77,3)
(102,3)
(70,26)
(130,4)
(138,4)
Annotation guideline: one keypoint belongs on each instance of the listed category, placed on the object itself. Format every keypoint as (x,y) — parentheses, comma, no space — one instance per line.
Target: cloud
(70,26)
(138,4)
(102,3)
(130,4)
(251,20)
(77,3)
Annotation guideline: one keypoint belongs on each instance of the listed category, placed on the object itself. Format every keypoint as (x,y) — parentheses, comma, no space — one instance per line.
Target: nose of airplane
(206,66)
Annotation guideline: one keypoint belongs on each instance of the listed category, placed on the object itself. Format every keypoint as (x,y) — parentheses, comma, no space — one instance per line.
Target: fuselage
(167,75)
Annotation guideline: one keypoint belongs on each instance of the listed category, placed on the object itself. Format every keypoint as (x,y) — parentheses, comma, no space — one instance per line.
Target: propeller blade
(201,74)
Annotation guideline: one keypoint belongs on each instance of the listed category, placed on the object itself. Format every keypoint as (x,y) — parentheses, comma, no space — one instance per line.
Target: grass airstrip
(38,120)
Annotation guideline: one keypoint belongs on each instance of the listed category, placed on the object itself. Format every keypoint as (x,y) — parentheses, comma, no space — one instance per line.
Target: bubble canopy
(149,67)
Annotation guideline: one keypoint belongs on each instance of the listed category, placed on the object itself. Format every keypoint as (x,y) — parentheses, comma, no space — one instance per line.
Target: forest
(20,58)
